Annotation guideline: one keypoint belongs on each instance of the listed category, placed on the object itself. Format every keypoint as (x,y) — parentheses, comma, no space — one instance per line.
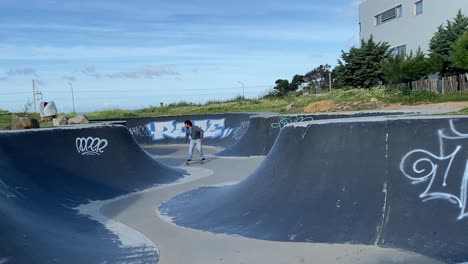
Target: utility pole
(329,81)
(243,93)
(34,95)
(73,97)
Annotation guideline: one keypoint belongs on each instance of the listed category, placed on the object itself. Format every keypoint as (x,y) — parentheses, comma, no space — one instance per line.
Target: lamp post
(243,93)
(73,97)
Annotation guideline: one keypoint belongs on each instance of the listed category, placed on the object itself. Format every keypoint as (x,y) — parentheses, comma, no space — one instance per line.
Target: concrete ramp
(45,174)
(264,129)
(221,130)
(397,182)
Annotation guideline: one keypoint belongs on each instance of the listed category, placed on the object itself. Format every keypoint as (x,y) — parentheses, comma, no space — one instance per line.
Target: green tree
(393,69)
(459,54)
(419,66)
(401,69)
(296,81)
(337,72)
(443,40)
(282,86)
(361,67)
(318,77)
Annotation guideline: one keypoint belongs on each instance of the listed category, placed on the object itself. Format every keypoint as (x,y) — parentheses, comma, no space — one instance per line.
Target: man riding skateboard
(195,135)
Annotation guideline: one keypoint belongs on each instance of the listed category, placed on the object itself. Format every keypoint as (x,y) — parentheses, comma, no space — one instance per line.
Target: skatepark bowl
(373,187)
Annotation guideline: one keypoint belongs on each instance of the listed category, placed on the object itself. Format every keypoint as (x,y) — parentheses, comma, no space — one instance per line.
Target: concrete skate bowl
(264,129)
(47,173)
(398,183)
(221,130)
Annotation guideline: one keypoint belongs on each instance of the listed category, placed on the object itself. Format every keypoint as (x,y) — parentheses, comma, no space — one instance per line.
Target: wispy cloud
(64,27)
(40,82)
(21,72)
(91,71)
(147,72)
(70,78)
(50,53)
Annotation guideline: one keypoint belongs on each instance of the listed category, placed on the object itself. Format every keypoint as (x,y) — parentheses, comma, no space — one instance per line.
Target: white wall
(409,29)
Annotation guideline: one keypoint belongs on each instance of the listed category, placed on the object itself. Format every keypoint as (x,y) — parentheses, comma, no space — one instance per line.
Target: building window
(398,51)
(418,7)
(388,15)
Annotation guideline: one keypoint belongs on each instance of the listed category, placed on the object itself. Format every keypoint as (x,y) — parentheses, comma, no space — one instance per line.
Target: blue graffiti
(214,128)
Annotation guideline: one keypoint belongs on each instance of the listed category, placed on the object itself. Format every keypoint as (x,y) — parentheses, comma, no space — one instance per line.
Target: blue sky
(132,54)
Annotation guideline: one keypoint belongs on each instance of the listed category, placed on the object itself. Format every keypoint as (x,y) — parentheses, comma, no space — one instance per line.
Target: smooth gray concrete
(182,245)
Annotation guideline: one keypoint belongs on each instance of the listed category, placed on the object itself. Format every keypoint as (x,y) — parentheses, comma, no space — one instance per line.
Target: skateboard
(194,161)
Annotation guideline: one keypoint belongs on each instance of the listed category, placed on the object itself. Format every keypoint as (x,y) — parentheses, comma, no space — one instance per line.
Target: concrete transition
(399,183)
(264,129)
(46,173)
(221,130)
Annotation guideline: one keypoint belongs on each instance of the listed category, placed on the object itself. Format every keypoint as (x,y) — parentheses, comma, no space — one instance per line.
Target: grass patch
(277,105)
(5,119)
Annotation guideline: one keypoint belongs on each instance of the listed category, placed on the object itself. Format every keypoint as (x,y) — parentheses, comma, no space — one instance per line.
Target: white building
(406,24)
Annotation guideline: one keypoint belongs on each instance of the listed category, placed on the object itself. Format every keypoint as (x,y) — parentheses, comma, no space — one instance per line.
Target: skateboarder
(195,135)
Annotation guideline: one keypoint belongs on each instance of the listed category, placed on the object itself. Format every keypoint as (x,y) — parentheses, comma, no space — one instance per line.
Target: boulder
(60,121)
(47,118)
(79,119)
(23,122)
(290,107)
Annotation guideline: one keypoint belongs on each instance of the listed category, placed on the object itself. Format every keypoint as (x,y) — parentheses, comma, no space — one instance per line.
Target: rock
(47,118)
(290,107)
(374,100)
(321,106)
(23,122)
(60,121)
(79,119)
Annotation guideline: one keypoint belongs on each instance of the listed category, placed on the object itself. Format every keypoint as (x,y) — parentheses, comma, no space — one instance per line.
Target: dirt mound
(321,106)
(332,106)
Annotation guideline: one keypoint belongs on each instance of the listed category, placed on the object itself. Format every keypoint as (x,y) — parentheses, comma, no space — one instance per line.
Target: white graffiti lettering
(138,131)
(444,182)
(214,128)
(8,192)
(90,145)
(240,131)
(284,120)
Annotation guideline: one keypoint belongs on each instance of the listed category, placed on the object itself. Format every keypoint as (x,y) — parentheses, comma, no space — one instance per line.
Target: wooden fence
(426,85)
(445,85)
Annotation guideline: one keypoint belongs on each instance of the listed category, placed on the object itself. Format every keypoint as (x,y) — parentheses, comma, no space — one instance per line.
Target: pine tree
(403,69)
(443,40)
(459,55)
(361,67)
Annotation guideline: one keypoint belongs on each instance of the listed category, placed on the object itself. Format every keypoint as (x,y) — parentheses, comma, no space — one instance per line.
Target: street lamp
(73,97)
(243,93)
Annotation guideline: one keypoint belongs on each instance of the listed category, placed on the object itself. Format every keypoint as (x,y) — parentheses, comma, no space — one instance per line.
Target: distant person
(195,135)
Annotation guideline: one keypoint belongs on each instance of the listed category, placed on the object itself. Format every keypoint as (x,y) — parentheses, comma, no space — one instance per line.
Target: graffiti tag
(90,145)
(214,128)
(240,131)
(138,131)
(437,169)
(284,120)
